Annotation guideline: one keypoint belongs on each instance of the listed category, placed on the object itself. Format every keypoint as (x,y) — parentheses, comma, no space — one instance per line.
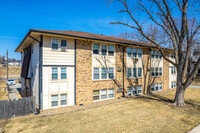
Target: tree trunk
(180,90)
(179,98)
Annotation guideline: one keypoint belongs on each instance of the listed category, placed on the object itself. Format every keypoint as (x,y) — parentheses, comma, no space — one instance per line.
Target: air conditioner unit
(135,60)
(136,80)
(63,49)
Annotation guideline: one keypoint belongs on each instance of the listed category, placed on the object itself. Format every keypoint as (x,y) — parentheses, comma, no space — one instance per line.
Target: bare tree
(179,20)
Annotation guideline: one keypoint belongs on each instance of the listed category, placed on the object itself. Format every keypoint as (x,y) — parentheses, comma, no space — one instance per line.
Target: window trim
(93,73)
(52,43)
(61,73)
(60,99)
(57,100)
(61,43)
(52,73)
(107,94)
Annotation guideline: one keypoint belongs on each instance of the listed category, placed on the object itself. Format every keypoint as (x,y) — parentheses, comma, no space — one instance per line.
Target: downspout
(40,72)
(75,72)
(123,72)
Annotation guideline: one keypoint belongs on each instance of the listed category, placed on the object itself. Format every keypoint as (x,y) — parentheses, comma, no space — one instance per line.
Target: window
(160,86)
(110,93)
(173,84)
(63,43)
(54,100)
(103,49)
(54,73)
(134,72)
(139,53)
(139,72)
(129,52)
(160,71)
(157,87)
(173,70)
(172,55)
(95,48)
(152,54)
(156,71)
(135,90)
(128,72)
(111,73)
(110,50)
(103,73)
(63,73)
(139,89)
(160,55)
(103,94)
(96,73)
(54,44)
(129,91)
(134,53)
(95,95)
(63,99)
(156,53)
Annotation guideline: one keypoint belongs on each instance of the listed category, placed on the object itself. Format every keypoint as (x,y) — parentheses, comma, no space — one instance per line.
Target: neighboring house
(63,68)
(14,63)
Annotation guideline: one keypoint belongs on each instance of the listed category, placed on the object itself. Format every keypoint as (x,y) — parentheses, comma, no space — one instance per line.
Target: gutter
(74,71)
(76,36)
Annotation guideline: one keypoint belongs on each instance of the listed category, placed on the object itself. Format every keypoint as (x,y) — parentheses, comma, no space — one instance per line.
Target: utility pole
(7,64)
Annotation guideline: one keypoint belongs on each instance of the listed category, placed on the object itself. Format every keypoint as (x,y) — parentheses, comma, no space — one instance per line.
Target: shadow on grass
(163,99)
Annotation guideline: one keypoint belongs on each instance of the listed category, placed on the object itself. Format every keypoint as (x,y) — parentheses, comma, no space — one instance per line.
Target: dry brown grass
(145,114)
(3,94)
(196,81)
(13,70)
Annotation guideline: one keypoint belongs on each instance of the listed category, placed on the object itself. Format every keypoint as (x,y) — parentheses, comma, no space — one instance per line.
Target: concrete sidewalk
(194,86)
(195,130)
(12,91)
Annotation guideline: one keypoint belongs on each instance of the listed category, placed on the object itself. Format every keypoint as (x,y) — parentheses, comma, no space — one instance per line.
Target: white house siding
(172,77)
(35,70)
(156,62)
(57,59)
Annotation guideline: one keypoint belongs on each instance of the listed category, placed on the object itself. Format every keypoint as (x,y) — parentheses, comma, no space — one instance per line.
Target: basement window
(63,99)
(54,100)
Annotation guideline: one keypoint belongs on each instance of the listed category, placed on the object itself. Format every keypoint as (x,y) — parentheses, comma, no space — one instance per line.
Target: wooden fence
(20,107)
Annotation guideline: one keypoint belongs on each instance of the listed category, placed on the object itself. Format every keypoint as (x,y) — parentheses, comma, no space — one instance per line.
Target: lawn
(146,114)
(3,94)
(13,70)
(196,81)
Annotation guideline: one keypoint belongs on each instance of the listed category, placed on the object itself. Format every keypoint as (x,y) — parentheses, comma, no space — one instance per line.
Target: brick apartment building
(64,68)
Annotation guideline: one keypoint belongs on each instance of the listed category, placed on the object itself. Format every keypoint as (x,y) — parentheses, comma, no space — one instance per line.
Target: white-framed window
(173,70)
(129,52)
(173,84)
(103,73)
(137,72)
(103,94)
(111,49)
(128,72)
(111,73)
(54,74)
(103,49)
(156,71)
(54,43)
(95,48)
(135,53)
(111,93)
(63,73)
(96,94)
(172,55)
(156,54)
(54,100)
(63,99)
(63,43)
(95,73)
(157,87)
(134,90)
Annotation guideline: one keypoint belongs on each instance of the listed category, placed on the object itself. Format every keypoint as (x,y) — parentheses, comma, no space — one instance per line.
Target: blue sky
(18,16)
